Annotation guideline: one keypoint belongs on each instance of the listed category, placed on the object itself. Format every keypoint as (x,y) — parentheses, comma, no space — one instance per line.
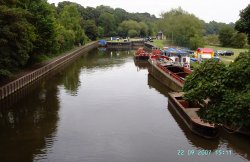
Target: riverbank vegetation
(226,90)
(182,28)
(33,31)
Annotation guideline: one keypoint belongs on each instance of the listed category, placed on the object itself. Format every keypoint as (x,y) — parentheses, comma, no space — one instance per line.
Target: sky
(219,10)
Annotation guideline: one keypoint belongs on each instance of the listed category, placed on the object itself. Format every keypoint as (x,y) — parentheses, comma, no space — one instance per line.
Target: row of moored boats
(171,66)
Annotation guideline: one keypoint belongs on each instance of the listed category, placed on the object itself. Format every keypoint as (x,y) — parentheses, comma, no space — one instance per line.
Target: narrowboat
(172,74)
(188,113)
(141,54)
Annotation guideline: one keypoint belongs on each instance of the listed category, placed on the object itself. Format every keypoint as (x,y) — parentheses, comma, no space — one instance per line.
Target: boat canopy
(102,42)
(175,51)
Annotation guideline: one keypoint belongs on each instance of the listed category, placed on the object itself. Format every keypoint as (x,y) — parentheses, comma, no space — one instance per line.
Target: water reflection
(141,64)
(235,142)
(28,127)
(153,83)
(192,138)
(101,109)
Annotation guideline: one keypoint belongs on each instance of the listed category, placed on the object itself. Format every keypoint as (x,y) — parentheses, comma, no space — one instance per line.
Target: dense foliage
(183,28)
(31,31)
(230,38)
(226,90)
(214,27)
(243,24)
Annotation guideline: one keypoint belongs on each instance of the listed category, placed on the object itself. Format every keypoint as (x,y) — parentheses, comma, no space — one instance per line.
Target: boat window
(184,59)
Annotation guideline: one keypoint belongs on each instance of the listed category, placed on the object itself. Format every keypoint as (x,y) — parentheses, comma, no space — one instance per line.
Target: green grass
(228,59)
(161,43)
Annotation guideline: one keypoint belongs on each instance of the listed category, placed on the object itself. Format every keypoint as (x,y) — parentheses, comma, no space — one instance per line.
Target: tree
(43,20)
(225,36)
(196,41)
(132,33)
(100,31)
(143,29)
(184,27)
(129,25)
(226,89)
(16,38)
(120,15)
(64,39)
(71,20)
(214,27)
(107,22)
(212,39)
(91,29)
(243,24)
(239,40)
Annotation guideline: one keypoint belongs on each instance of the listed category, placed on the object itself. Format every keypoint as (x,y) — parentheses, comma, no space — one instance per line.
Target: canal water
(105,107)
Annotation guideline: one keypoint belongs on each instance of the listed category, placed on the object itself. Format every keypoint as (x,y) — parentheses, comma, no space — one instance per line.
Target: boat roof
(178,51)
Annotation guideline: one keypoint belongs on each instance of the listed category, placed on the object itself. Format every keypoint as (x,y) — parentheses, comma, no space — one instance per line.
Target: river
(105,107)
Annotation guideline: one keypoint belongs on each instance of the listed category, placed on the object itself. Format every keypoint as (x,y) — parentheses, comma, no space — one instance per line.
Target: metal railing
(28,78)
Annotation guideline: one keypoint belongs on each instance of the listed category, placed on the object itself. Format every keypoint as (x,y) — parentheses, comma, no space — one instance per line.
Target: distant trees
(225,35)
(91,30)
(212,39)
(70,18)
(132,28)
(31,31)
(185,28)
(107,21)
(230,38)
(239,40)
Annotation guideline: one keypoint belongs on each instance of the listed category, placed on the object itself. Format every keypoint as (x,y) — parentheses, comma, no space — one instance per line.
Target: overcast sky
(208,10)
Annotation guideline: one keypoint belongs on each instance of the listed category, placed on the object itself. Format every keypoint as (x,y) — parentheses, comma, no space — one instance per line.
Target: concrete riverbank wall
(125,44)
(21,82)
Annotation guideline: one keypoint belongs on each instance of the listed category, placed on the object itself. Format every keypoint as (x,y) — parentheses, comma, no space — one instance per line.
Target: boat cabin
(178,55)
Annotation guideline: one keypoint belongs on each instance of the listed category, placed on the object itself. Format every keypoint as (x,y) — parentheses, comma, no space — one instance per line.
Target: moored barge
(188,113)
(170,73)
(141,54)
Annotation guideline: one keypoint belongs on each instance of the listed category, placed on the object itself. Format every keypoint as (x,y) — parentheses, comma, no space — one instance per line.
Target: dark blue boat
(102,43)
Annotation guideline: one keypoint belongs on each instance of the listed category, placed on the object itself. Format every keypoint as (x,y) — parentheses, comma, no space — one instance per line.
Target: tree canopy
(243,24)
(33,30)
(226,90)
(185,29)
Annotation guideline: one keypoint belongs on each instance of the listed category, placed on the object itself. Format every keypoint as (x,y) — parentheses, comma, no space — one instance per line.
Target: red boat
(156,51)
(141,54)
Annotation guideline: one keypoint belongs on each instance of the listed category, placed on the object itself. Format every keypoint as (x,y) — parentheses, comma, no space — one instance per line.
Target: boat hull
(164,78)
(141,57)
(200,129)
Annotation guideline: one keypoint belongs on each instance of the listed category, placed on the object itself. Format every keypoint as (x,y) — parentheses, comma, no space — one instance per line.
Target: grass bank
(228,59)
(161,43)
